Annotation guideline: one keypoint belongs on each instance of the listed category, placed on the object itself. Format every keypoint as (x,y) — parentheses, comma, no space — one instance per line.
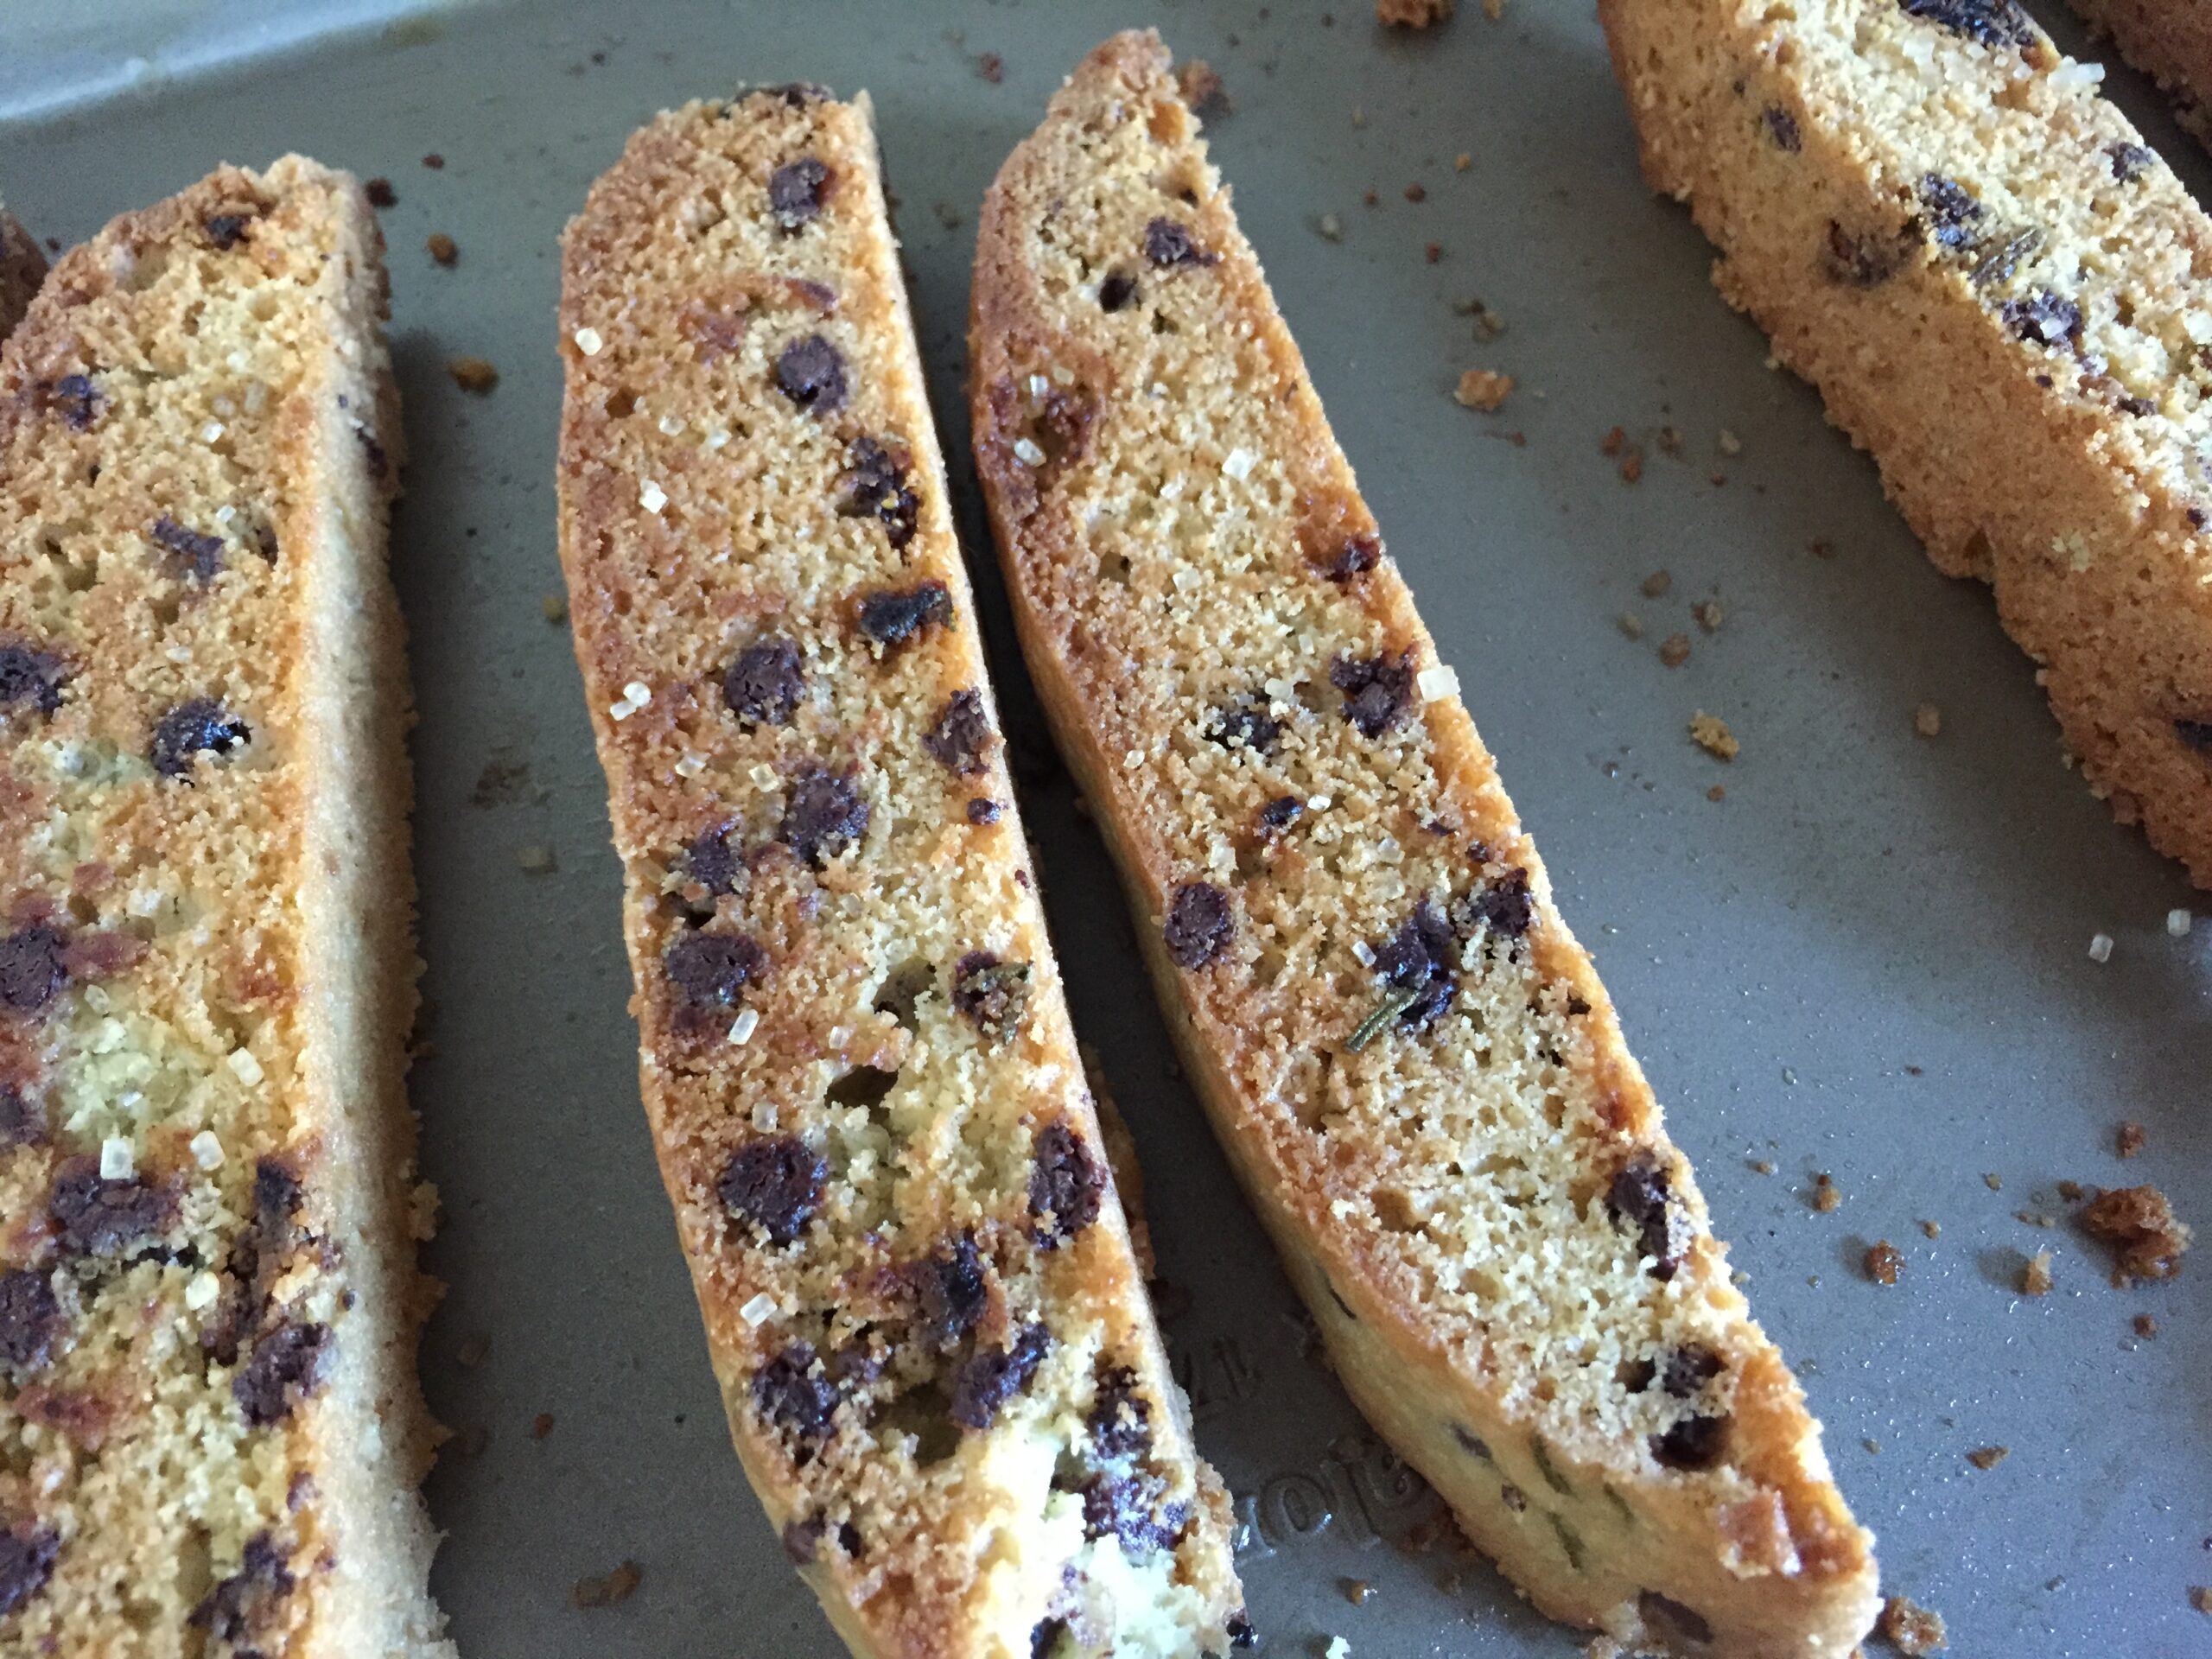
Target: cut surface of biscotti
(2171,41)
(211,1433)
(22,265)
(1409,1061)
(941,1370)
(2006,299)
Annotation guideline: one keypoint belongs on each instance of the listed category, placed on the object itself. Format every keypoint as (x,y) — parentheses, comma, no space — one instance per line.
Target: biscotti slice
(210,1429)
(941,1370)
(1409,1061)
(2171,41)
(2006,299)
(22,265)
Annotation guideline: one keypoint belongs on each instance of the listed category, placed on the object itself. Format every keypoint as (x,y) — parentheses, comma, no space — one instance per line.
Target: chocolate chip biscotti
(22,265)
(2171,41)
(941,1370)
(2006,299)
(210,1428)
(1409,1061)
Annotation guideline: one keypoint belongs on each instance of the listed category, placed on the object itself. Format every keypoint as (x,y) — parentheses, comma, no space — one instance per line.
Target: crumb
(1613,442)
(1462,162)
(381,194)
(2100,948)
(612,1591)
(1631,625)
(1676,651)
(2130,1140)
(1489,325)
(1433,253)
(1359,120)
(1883,1260)
(1493,9)
(1826,1197)
(1711,733)
(556,606)
(1331,228)
(475,374)
(1412,14)
(992,68)
(1201,86)
(1708,614)
(1718,792)
(1670,440)
(2073,1191)
(442,248)
(1762,1166)
(1357,1591)
(434,161)
(1927,719)
(1657,584)
(2146,1326)
(472,1351)
(1932,1229)
(1912,1631)
(1338,1648)
(1483,389)
(1728,443)
(1368,196)
(2177,922)
(2147,1241)
(1989,1457)
(1716,479)
(1821,550)
(541,1426)
(2200,1597)
(1417,191)
(1873,1447)
(2032,1218)
(1632,466)
(537,860)
(1993,1181)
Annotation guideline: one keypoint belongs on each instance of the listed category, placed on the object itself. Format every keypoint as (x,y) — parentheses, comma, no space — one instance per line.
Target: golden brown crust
(1204,602)
(886,1171)
(2171,41)
(21,266)
(210,1299)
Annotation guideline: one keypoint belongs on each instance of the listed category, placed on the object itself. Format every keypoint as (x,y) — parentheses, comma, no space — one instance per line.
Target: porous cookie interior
(1412,1062)
(935,1348)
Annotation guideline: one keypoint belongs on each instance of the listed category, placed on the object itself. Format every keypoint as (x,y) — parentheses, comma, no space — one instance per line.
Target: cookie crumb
(537,860)
(992,68)
(1675,652)
(1708,613)
(2146,1326)
(1357,1591)
(1821,550)
(2100,948)
(1656,585)
(1728,443)
(476,374)
(1718,792)
(1762,1166)
(556,606)
(541,1426)
(2200,1597)
(612,1591)
(1825,1197)
(1331,227)
(1411,14)
(2147,1239)
(1201,86)
(1462,162)
(2131,1139)
(442,249)
(1993,1181)
(380,193)
(1989,1457)
(2035,1276)
(1711,733)
(1632,466)
(1932,1229)
(1670,440)
(1417,191)
(1630,624)
(1927,719)
(1883,1260)
(1494,9)
(1911,1629)
(1483,389)
(1489,325)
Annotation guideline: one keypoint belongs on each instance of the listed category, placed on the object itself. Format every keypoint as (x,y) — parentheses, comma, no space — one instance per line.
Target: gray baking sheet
(1869,958)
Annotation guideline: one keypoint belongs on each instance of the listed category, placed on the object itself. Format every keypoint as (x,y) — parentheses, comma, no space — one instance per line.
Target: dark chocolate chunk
(2194,735)
(242,1601)
(1242,1633)
(878,482)
(991,994)
(1280,814)
(991,1377)
(1695,1442)
(1045,1638)
(373,452)
(1689,1368)
(1126,1506)
(1472,1443)
(795,191)
(791,1393)
(797,94)
(1248,723)
(1999,259)
(198,557)
(1358,554)
(28,675)
(1167,244)
(287,1365)
(1423,957)
(75,399)
(1864,259)
(1120,1421)
(32,970)
(775,1183)
(21,1121)
(955,1291)
(1377,691)
(764,684)
(2129,162)
(1985,22)
(712,862)
(380,193)
(801,1538)
(811,373)
(2044,319)
(226,230)
(823,814)
(1782,127)
(710,968)
(1641,1198)
(27,1553)
(962,737)
(1065,1184)
(30,1319)
(1504,906)
(101,1218)
(1199,924)
(1949,211)
(200,725)
(982,811)
(892,616)
(1118,288)
(1638,1375)
(1672,1623)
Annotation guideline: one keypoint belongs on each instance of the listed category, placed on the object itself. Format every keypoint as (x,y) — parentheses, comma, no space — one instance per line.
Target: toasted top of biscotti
(22,265)
(194,428)
(1422,1075)
(940,1365)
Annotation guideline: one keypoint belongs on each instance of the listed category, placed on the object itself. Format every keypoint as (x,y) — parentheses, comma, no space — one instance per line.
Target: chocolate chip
(190,729)
(982,811)
(1377,691)
(993,995)
(198,556)
(877,481)
(1950,212)
(381,194)
(1782,127)
(1116,291)
(811,373)
(373,452)
(1355,557)
(1472,1443)
(242,1601)
(99,1218)
(1504,906)
(802,1538)
(795,191)
(32,971)
(1126,1506)
(1045,1638)
(27,1553)
(1695,1442)
(1641,1197)
(962,737)
(1242,1633)
(1638,1375)
(775,1184)
(991,1377)
(226,230)
(789,1393)
(1280,814)
(28,675)
(75,399)
(1986,22)
(764,684)
(712,862)
(1199,924)
(1067,1185)
(2043,319)
(21,1121)
(1667,1619)
(955,1291)
(1168,244)
(1120,1422)
(710,968)
(2000,258)
(1248,723)
(2138,407)
(797,94)
(287,1365)
(1422,956)
(892,616)
(2129,162)
(1689,1368)
(823,814)
(1864,259)
(2194,735)
(30,1319)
